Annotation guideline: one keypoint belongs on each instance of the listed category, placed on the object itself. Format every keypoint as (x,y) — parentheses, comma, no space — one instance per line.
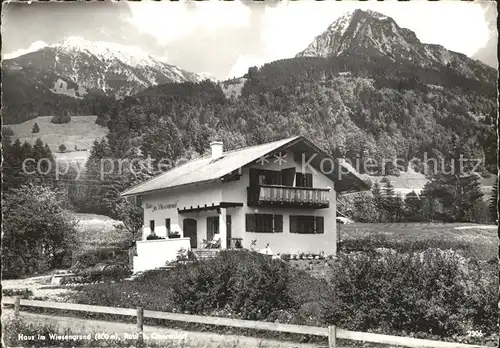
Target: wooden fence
(332,332)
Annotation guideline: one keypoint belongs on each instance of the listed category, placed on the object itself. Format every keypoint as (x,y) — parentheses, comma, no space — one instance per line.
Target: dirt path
(39,286)
(155,334)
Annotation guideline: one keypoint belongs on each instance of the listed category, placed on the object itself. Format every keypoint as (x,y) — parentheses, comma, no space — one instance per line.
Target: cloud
(35,46)
(243,62)
(169,21)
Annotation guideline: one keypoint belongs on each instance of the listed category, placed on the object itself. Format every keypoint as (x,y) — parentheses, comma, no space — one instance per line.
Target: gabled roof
(204,169)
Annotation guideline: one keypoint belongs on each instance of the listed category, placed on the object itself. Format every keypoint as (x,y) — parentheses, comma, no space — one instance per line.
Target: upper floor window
(303,180)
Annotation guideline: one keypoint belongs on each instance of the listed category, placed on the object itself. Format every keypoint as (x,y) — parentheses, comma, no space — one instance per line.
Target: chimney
(217,149)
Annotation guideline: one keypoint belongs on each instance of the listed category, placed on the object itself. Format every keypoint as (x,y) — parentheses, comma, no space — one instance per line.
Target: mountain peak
(130,55)
(372,36)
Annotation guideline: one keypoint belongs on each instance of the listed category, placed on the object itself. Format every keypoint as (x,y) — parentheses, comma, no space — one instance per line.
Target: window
(152,225)
(306,224)
(167,225)
(303,180)
(264,177)
(264,223)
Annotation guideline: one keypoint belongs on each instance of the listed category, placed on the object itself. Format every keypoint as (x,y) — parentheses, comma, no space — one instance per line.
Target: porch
(210,227)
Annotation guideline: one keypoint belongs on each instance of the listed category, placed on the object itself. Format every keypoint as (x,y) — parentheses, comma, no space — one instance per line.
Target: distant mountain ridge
(94,67)
(373,35)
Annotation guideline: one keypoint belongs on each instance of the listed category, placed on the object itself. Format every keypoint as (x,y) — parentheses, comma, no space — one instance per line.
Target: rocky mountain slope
(371,35)
(76,67)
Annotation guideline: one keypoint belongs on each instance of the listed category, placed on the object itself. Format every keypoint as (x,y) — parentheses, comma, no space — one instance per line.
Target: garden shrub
(93,257)
(251,285)
(102,272)
(430,292)
(154,237)
(23,293)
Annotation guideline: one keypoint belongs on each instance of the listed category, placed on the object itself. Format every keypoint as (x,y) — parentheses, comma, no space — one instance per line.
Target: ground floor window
(264,223)
(152,226)
(306,224)
(167,225)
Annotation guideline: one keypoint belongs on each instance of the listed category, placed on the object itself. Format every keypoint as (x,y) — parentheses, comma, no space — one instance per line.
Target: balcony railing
(288,196)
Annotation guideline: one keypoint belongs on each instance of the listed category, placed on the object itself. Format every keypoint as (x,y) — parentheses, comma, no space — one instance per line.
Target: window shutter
(278,223)
(254,177)
(299,180)
(309,180)
(287,176)
(320,228)
(249,222)
(293,224)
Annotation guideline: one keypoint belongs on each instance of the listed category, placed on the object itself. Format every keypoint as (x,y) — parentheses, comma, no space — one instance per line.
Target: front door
(189,228)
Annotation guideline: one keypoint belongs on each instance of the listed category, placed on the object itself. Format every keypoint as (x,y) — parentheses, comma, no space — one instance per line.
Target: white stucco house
(279,195)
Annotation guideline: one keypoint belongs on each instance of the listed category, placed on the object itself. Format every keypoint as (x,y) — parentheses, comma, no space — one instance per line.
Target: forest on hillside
(376,111)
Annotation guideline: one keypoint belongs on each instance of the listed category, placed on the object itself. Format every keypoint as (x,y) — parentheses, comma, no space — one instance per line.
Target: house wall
(152,254)
(285,242)
(236,191)
(173,199)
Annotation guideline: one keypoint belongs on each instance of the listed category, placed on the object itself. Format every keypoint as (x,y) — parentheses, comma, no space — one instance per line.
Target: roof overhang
(346,179)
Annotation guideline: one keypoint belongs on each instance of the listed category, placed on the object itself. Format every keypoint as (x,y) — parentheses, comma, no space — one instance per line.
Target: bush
(62,148)
(59,119)
(103,272)
(93,257)
(154,237)
(250,285)
(23,293)
(434,292)
(35,129)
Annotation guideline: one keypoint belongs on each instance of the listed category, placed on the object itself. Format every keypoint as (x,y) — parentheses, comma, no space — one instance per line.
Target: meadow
(471,240)
(79,133)
(97,231)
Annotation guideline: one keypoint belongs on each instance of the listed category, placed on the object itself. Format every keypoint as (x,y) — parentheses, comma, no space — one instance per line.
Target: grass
(80,132)
(97,231)
(472,241)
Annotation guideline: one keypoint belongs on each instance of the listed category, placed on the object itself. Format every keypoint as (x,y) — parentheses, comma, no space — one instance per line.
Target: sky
(225,38)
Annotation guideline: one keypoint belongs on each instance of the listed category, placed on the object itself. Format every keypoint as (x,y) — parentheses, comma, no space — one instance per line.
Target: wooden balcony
(288,196)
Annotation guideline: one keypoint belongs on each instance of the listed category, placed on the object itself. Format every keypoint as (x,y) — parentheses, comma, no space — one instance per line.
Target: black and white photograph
(255,174)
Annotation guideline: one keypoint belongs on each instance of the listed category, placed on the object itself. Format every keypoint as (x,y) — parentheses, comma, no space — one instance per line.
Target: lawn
(478,241)
(97,231)
(81,132)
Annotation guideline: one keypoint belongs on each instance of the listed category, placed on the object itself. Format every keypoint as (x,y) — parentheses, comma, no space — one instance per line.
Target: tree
(365,209)
(35,128)
(413,207)
(162,141)
(493,206)
(38,233)
(377,200)
(456,194)
(61,118)
(7,132)
(62,148)
(131,216)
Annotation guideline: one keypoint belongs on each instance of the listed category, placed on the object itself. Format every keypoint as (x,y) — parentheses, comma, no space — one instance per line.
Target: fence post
(17,306)
(332,336)
(140,323)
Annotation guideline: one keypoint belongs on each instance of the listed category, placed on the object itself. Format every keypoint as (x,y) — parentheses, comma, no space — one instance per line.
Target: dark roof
(204,169)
